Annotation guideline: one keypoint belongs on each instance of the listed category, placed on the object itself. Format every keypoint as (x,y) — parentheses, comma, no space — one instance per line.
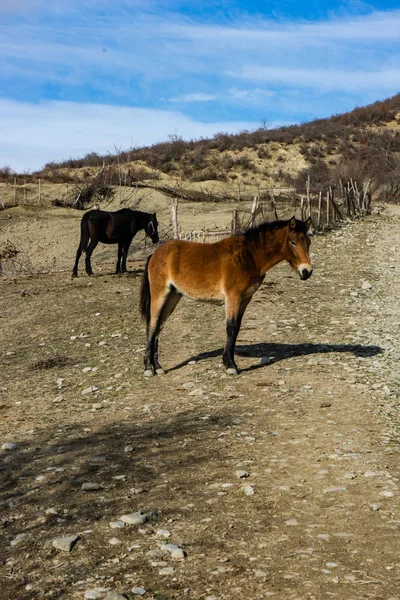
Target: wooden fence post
(327,207)
(39,191)
(319,210)
(254,210)
(274,205)
(235,226)
(174,218)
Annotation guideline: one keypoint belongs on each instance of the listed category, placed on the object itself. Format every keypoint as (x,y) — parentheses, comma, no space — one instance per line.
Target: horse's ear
(310,226)
(292,223)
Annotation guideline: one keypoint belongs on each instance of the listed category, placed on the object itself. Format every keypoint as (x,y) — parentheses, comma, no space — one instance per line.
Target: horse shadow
(275,352)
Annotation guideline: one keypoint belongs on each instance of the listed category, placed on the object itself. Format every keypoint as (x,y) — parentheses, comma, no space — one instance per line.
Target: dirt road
(281,483)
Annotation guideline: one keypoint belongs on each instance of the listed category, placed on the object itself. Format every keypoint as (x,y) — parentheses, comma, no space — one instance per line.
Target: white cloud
(32,135)
(323,79)
(193,98)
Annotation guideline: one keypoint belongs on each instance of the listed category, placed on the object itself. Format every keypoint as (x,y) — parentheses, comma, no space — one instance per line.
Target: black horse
(118,227)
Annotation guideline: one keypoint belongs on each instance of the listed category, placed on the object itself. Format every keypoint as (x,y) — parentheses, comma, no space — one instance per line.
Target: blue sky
(78,76)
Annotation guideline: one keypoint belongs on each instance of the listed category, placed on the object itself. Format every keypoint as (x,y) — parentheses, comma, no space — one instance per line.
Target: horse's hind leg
(234,313)
(89,251)
(125,249)
(78,255)
(161,309)
(118,267)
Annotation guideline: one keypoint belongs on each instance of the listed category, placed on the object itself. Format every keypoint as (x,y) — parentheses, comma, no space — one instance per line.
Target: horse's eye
(293,243)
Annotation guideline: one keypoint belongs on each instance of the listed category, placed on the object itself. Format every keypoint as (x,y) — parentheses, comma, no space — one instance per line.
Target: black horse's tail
(84,234)
(145,294)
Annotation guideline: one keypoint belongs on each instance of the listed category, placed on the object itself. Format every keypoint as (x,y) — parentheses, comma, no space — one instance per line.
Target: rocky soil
(280,483)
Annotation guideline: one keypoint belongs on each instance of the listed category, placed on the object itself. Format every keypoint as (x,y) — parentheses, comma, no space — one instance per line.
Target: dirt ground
(281,482)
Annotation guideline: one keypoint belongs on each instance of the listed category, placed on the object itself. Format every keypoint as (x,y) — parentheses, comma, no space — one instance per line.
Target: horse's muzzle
(305,273)
(155,239)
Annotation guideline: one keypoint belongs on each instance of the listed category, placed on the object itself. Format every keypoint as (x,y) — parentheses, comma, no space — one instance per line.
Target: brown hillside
(363,144)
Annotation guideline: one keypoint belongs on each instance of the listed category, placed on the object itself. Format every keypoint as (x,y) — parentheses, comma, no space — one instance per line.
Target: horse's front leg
(235,308)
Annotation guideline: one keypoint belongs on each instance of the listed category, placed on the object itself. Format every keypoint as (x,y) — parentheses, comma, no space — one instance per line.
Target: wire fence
(326,211)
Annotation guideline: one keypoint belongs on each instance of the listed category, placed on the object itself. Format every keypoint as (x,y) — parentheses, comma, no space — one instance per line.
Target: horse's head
(296,247)
(152,229)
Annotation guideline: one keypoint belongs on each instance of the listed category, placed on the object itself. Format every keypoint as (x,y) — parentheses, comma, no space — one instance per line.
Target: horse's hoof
(160,371)
(232,371)
(148,373)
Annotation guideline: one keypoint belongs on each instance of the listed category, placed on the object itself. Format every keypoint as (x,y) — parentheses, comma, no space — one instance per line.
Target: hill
(361,144)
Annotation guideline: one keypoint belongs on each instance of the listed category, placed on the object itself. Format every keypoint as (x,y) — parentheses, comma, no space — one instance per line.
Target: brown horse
(119,227)
(230,270)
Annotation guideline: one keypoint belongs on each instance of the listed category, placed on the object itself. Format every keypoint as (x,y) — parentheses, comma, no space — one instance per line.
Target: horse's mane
(253,233)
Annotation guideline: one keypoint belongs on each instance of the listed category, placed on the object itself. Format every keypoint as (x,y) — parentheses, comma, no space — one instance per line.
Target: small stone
(164,533)
(129,449)
(51,511)
(9,446)
(249,490)
(197,392)
(114,595)
(325,404)
(366,285)
(138,591)
(386,494)
(90,390)
(349,476)
(242,474)
(167,571)
(188,385)
(334,489)
(117,524)
(65,544)
(18,539)
(178,554)
(91,487)
(114,541)
(375,506)
(169,547)
(86,369)
(137,490)
(133,519)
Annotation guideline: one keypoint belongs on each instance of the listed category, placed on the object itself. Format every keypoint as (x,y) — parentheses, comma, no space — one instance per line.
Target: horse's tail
(145,294)
(85,235)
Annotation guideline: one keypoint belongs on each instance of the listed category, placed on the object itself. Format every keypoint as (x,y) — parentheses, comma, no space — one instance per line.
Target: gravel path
(281,483)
